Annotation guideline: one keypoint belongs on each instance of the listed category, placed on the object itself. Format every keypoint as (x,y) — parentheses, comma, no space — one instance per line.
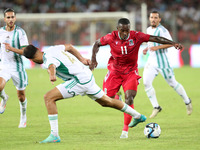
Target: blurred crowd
(187,13)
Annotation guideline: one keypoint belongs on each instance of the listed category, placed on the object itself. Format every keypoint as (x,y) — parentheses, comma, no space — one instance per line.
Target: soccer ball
(152,130)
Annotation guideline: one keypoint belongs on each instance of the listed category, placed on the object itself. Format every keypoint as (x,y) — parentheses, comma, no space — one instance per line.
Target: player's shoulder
(2,29)
(110,36)
(113,34)
(55,49)
(19,29)
(162,28)
(149,28)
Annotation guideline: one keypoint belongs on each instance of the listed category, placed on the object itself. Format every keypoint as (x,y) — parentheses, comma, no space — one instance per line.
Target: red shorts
(114,80)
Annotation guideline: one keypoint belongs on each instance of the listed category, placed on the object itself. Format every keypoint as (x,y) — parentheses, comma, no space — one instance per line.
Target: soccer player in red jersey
(122,65)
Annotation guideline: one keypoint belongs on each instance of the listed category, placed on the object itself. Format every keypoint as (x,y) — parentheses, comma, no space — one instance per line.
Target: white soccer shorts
(20,79)
(150,72)
(72,88)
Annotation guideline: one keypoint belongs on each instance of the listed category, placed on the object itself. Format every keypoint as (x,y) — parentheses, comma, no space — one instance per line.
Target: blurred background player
(11,63)
(78,80)
(122,65)
(158,63)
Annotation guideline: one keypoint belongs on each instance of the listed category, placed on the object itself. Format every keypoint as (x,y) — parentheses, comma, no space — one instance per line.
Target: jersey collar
(121,38)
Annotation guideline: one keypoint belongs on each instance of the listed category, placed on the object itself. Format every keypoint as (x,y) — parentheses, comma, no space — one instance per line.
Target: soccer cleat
(3,105)
(51,139)
(134,122)
(155,111)
(189,108)
(124,135)
(22,125)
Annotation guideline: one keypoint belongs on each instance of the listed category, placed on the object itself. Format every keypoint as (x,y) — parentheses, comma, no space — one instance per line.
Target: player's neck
(153,27)
(10,28)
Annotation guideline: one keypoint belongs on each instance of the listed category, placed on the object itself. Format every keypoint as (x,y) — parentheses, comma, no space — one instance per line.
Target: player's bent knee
(47,97)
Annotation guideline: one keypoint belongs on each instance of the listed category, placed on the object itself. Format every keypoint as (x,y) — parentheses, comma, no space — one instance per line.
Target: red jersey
(124,53)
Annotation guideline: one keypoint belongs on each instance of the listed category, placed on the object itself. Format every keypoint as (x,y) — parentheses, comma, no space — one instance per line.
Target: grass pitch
(85,125)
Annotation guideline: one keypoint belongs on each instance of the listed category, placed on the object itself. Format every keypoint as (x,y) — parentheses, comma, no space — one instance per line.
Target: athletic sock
(127,119)
(152,96)
(181,91)
(53,120)
(23,107)
(127,109)
(3,94)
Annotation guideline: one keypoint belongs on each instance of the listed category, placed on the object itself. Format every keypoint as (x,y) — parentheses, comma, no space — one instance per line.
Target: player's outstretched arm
(75,52)
(163,40)
(155,48)
(10,48)
(52,73)
(95,50)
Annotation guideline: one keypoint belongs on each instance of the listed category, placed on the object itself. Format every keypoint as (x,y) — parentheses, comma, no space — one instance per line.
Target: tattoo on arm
(160,40)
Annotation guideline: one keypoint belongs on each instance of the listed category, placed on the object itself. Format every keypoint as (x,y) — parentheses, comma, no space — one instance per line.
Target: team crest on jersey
(131,43)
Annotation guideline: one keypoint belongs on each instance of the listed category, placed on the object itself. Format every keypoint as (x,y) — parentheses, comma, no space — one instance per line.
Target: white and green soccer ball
(152,130)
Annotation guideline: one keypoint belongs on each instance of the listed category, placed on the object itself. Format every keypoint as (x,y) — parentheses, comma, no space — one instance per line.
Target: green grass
(85,125)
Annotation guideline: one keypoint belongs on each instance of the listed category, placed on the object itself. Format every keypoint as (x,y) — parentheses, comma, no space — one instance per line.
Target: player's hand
(93,64)
(145,51)
(53,79)
(178,46)
(7,46)
(86,61)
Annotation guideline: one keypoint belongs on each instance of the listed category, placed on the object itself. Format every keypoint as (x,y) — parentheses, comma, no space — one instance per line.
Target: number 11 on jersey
(124,49)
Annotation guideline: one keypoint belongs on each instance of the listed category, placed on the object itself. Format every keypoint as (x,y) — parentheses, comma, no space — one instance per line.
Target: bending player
(78,80)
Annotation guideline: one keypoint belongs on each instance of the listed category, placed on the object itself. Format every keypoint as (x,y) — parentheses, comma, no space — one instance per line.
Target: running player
(11,63)
(158,63)
(122,65)
(78,80)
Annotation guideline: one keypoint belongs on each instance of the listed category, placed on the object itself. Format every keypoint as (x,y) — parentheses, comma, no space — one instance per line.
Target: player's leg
(106,101)
(129,96)
(50,99)
(20,80)
(62,91)
(149,75)
(4,77)
(170,79)
(23,108)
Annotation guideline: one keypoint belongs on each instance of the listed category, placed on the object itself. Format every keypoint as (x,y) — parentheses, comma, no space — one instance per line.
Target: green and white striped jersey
(67,66)
(17,39)
(158,58)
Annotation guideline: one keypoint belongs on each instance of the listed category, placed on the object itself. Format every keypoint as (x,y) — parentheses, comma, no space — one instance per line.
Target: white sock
(152,96)
(127,109)
(23,107)
(53,120)
(3,94)
(181,91)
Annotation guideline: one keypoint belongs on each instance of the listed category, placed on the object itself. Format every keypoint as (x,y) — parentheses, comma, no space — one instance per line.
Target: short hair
(30,51)
(8,10)
(123,21)
(156,12)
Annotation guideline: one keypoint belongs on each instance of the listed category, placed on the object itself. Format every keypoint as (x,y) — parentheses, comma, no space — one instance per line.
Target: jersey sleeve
(48,60)
(106,39)
(165,33)
(143,37)
(23,39)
